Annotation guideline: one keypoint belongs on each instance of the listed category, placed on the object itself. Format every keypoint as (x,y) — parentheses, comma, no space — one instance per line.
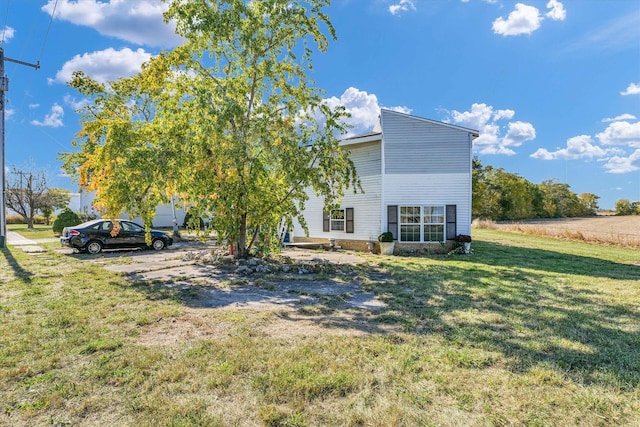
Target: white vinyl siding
(414,145)
(436,190)
(366,206)
(416,162)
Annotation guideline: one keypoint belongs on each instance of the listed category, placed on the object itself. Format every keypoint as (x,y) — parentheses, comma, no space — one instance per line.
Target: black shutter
(325,221)
(349,220)
(451,222)
(392,220)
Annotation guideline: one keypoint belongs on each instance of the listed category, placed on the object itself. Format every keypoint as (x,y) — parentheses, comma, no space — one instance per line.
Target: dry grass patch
(623,231)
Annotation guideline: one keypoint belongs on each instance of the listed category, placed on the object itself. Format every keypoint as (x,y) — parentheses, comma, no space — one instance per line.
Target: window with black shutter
(392,220)
(451,222)
(349,220)
(325,221)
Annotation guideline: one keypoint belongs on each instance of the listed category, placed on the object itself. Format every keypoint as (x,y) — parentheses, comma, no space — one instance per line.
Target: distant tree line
(627,207)
(501,195)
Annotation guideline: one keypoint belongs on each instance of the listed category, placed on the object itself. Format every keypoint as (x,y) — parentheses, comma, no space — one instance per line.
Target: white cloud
(557,12)
(578,147)
(621,133)
(9,112)
(104,65)
(363,107)
(632,89)
(625,116)
(523,19)
(135,21)
(7,33)
(53,119)
(402,6)
(619,136)
(486,120)
(518,133)
(75,103)
(619,164)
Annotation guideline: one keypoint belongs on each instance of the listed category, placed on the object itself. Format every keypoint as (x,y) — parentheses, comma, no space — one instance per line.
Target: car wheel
(158,244)
(94,247)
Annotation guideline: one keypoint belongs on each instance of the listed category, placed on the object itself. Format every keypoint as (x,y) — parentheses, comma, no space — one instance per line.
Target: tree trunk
(30,222)
(241,245)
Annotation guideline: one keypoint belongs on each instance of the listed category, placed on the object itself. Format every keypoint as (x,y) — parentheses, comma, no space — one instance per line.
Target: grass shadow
(18,270)
(532,306)
(498,254)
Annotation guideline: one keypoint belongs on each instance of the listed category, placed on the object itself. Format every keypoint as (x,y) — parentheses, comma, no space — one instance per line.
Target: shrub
(67,218)
(463,238)
(18,219)
(191,222)
(15,219)
(387,236)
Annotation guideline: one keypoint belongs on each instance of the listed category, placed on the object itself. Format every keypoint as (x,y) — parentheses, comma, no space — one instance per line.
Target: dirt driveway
(204,277)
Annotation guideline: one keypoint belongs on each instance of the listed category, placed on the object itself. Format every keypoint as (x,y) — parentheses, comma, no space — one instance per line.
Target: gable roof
(474,133)
(377,133)
(359,139)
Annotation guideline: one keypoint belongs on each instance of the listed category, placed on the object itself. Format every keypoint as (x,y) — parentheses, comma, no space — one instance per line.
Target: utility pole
(4,86)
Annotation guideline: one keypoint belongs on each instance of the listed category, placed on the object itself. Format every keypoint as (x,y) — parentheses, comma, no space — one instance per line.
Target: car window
(131,227)
(107,226)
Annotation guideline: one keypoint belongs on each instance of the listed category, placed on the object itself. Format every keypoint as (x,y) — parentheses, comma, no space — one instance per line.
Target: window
(433,223)
(132,227)
(337,220)
(422,223)
(410,223)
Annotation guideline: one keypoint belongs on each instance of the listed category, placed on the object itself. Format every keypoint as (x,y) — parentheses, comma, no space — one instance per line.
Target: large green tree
(52,199)
(230,121)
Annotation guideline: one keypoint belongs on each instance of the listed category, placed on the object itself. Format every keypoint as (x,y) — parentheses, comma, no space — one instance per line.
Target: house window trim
(343,220)
(444,224)
(348,220)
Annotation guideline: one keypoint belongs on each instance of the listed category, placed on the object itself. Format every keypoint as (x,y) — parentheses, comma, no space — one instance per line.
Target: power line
(46,35)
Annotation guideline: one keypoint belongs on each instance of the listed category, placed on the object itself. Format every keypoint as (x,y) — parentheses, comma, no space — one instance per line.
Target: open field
(528,330)
(611,230)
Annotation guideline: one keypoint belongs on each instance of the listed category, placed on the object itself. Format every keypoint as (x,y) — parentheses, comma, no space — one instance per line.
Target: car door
(110,239)
(132,234)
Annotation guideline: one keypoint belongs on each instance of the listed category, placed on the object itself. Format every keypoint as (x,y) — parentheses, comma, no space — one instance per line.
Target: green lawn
(38,231)
(527,331)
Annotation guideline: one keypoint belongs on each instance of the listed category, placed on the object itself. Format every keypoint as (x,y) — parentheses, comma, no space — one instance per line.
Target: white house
(416,177)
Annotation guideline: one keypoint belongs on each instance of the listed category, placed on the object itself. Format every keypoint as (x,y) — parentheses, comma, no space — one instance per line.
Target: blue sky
(552,86)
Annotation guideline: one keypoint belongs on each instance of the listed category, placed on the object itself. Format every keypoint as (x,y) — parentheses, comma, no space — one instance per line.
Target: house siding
(413,145)
(416,162)
(426,163)
(366,206)
(439,189)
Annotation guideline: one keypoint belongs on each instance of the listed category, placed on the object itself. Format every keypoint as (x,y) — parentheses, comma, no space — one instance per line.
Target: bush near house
(67,218)
(18,219)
